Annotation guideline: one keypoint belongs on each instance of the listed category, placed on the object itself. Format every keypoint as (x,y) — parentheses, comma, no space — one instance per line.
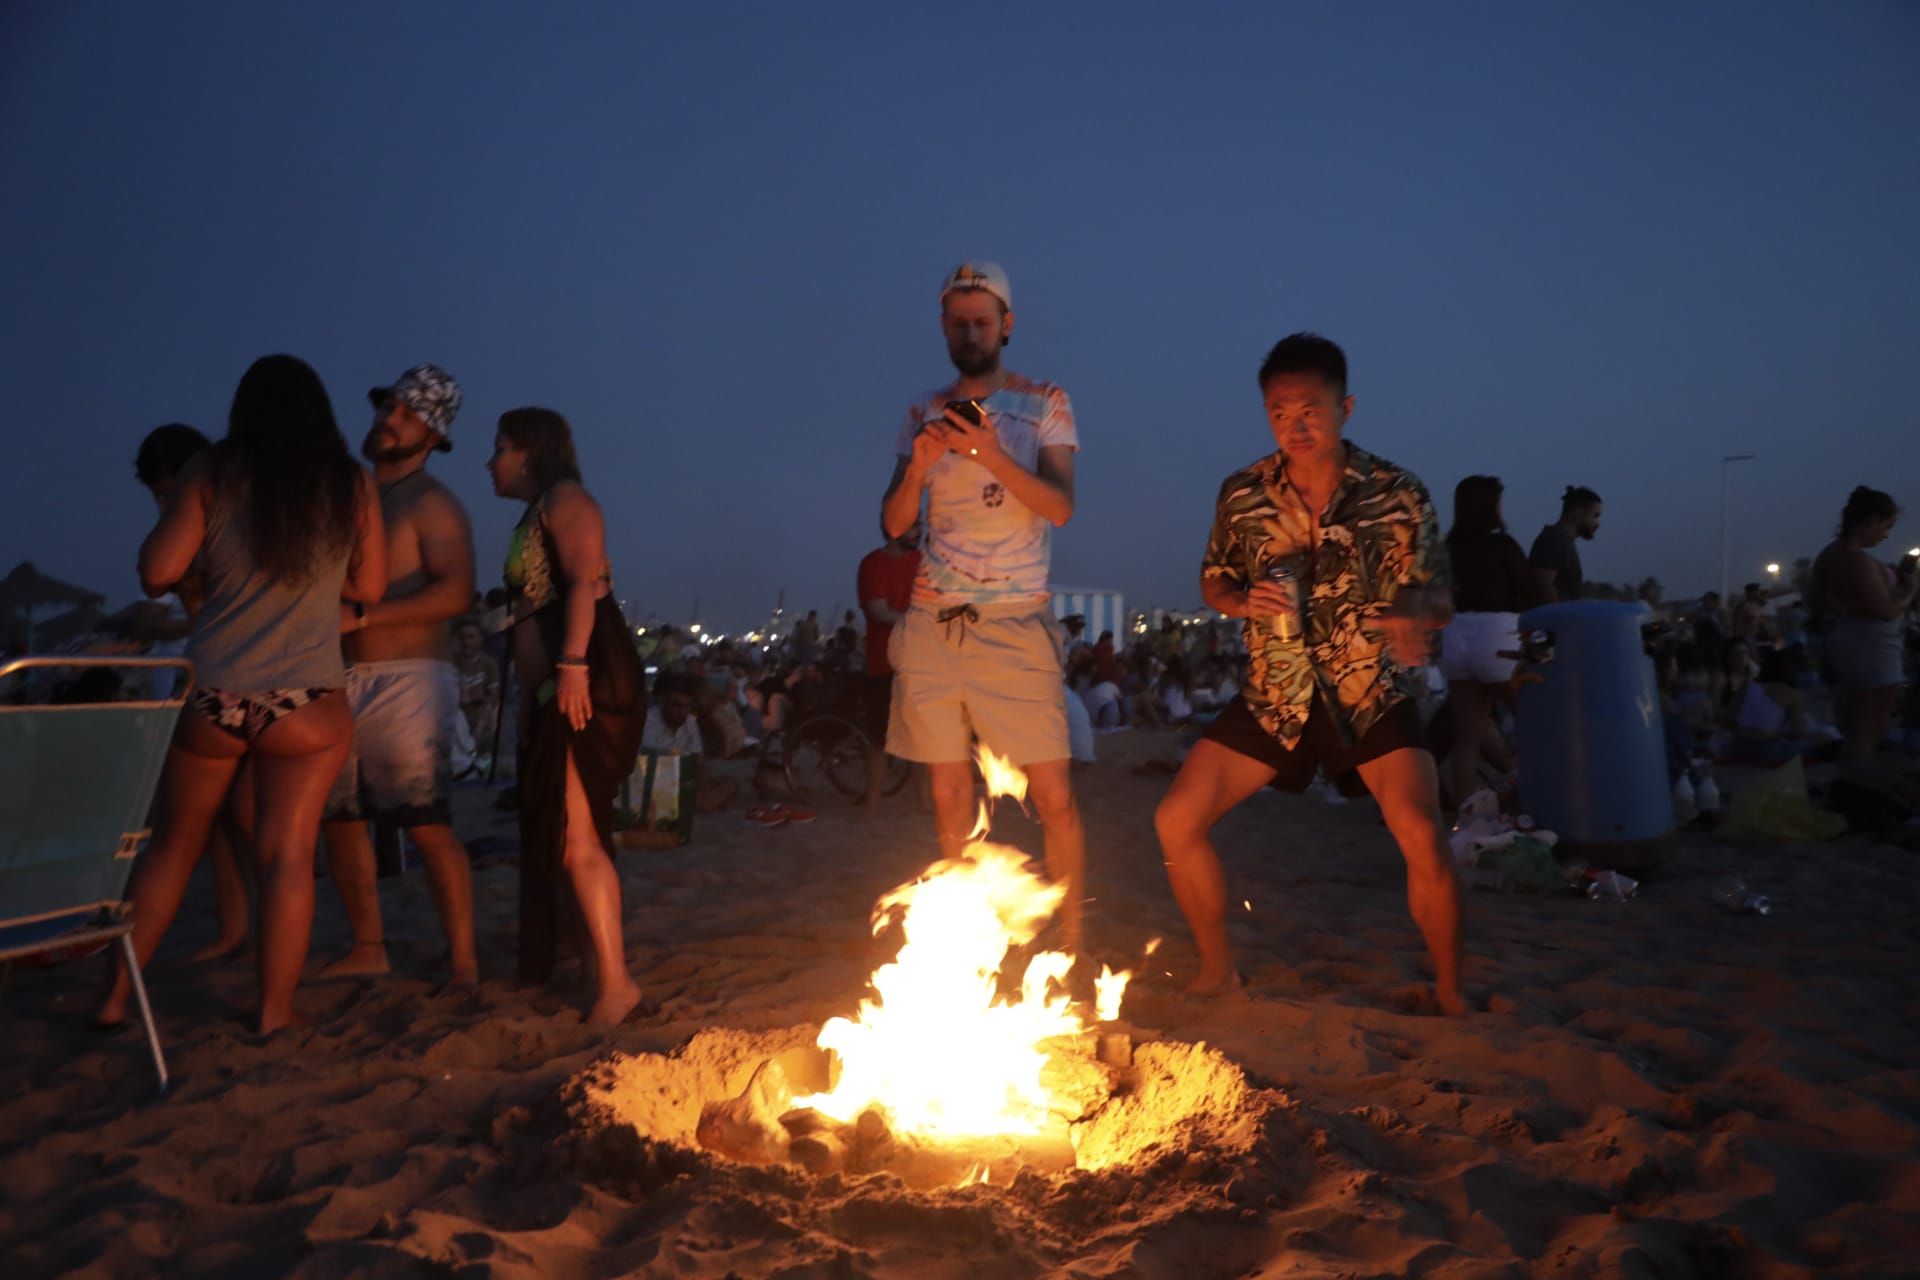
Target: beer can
(1286,623)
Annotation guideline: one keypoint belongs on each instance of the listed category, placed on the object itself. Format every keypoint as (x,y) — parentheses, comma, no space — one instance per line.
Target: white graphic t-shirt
(983,546)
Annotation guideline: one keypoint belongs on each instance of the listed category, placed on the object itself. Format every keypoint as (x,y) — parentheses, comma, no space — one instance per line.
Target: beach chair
(76,782)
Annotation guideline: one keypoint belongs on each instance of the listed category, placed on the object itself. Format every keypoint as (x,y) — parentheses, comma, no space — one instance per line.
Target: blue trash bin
(1592,753)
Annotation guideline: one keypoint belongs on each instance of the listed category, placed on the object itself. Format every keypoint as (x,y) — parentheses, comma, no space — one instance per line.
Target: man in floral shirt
(1332,690)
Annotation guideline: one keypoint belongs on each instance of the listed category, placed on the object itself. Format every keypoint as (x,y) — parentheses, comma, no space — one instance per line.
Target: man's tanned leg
(1213,781)
(1406,786)
(1050,788)
(350,860)
(450,877)
(954,810)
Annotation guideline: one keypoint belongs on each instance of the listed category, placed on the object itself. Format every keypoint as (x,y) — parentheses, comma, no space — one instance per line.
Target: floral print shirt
(1377,535)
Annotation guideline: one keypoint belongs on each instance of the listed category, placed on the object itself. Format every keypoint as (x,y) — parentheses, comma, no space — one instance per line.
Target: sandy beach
(1650,1088)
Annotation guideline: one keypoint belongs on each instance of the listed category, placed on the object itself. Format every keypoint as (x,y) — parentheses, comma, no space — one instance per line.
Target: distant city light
(1774,569)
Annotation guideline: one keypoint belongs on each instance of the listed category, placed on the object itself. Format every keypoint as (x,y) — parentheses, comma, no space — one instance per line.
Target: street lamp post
(1726,471)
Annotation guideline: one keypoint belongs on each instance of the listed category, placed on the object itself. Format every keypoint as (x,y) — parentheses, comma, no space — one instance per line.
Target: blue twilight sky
(1604,244)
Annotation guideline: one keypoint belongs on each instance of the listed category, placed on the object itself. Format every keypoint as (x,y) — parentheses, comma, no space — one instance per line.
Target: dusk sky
(1602,246)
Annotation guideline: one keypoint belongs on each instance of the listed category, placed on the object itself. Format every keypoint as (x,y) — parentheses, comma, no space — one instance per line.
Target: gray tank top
(256,633)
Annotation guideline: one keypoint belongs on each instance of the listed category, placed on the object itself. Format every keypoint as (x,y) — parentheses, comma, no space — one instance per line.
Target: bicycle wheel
(898,771)
(827,751)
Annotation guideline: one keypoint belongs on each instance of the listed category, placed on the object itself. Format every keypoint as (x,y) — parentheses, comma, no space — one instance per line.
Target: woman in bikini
(286,527)
(583,704)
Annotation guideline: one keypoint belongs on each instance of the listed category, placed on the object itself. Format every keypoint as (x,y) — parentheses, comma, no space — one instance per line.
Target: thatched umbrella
(26,589)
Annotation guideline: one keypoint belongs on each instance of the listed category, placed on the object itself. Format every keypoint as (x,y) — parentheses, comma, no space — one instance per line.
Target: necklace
(387,489)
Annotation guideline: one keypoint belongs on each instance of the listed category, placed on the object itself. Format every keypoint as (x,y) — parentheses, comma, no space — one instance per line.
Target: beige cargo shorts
(991,671)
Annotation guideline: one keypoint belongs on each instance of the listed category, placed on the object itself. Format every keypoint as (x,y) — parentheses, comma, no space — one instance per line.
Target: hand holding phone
(930,443)
(968,409)
(969,433)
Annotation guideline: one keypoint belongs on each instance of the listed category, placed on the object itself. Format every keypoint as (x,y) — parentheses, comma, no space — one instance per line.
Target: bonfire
(951,1071)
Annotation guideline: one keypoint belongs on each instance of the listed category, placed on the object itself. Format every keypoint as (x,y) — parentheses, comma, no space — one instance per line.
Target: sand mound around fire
(729,1093)
(1178,1157)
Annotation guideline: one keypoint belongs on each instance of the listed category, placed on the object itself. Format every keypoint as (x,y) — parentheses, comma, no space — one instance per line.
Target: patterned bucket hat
(429,391)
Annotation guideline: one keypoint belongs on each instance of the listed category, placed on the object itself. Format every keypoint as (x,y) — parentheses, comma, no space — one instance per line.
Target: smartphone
(968,409)
(1910,561)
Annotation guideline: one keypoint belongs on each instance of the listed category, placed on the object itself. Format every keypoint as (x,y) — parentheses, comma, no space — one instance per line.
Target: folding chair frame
(113,923)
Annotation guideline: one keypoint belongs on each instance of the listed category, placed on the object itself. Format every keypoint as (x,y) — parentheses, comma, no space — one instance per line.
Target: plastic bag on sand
(1526,864)
(1483,806)
(1776,810)
(1482,827)
(1479,822)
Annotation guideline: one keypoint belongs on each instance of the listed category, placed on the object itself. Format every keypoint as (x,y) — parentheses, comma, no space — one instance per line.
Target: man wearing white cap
(990,456)
(401,681)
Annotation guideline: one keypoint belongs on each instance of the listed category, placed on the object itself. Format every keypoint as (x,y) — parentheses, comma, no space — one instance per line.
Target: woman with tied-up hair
(583,704)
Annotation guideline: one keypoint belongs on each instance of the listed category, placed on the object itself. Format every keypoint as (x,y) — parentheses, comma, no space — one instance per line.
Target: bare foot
(1209,983)
(1451,1003)
(110,1016)
(465,977)
(218,949)
(614,1004)
(291,1020)
(366,960)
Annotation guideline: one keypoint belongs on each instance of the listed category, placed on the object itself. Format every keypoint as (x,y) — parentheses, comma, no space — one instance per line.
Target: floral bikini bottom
(248,715)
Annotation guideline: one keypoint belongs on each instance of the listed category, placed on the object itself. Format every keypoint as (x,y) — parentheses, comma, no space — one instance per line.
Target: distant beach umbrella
(27,589)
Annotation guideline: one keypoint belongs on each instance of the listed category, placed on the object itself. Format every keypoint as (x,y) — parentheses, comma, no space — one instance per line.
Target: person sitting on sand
(1329,653)
(479,682)
(1171,696)
(1770,726)
(672,727)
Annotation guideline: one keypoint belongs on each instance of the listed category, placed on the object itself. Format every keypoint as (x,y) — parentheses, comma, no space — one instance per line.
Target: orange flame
(936,1050)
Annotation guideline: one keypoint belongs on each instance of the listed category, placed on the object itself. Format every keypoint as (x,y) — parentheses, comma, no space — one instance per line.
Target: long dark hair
(1476,508)
(1865,504)
(548,441)
(285,458)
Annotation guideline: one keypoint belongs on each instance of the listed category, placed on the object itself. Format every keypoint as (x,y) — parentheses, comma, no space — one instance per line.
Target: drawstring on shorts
(960,613)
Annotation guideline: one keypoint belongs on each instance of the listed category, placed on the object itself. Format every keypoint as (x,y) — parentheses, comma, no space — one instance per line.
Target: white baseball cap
(978,274)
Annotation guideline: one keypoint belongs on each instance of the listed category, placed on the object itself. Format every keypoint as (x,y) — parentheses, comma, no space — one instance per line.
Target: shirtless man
(401,681)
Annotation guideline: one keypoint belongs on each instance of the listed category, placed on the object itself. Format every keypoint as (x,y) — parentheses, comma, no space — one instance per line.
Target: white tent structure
(1104,610)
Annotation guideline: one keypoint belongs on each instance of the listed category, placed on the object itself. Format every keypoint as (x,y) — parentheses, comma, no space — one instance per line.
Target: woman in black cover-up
(583,703)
